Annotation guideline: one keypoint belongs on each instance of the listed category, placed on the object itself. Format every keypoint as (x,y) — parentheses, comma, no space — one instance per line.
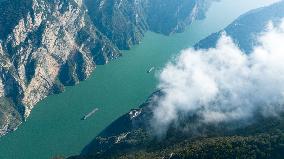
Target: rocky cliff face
(43,46)
(126,21)
(46,45)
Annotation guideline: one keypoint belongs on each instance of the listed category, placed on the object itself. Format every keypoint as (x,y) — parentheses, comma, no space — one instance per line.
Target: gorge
(61,113)
(47,45)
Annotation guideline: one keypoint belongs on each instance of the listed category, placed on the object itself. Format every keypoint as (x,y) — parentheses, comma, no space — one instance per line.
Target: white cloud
(223,83)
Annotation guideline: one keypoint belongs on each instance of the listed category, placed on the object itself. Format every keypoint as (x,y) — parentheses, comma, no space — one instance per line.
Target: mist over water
(114,88)
(223,84)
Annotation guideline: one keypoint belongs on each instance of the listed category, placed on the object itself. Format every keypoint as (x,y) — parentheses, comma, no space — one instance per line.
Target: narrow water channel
(55,125)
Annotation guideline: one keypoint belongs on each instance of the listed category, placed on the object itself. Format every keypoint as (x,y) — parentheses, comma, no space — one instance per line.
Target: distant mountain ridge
(130,135)
(243,31)
(46,45)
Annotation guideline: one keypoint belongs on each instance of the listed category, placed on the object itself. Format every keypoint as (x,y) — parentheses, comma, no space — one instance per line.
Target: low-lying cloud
(224,84)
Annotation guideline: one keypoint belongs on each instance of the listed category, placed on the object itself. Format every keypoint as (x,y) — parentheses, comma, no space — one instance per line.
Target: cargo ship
(90,114)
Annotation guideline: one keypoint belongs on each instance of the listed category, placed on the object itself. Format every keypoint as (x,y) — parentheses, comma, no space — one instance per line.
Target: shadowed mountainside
(131,135)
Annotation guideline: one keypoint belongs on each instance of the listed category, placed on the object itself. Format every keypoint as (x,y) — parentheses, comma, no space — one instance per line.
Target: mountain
(244,30)
(43,46)
(131,135)
(46,45)
(125,22)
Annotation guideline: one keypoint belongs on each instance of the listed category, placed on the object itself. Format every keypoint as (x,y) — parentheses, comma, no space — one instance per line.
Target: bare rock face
(43,46)
(126,21)
(46,45)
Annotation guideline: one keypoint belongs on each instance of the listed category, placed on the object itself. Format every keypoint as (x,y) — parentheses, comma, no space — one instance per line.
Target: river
(55,126)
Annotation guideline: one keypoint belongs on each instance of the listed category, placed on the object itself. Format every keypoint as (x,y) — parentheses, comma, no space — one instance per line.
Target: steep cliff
(43,46)
(126,21)
(46,45)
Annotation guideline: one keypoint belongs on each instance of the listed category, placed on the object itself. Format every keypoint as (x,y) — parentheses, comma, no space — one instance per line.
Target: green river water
(54,126)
